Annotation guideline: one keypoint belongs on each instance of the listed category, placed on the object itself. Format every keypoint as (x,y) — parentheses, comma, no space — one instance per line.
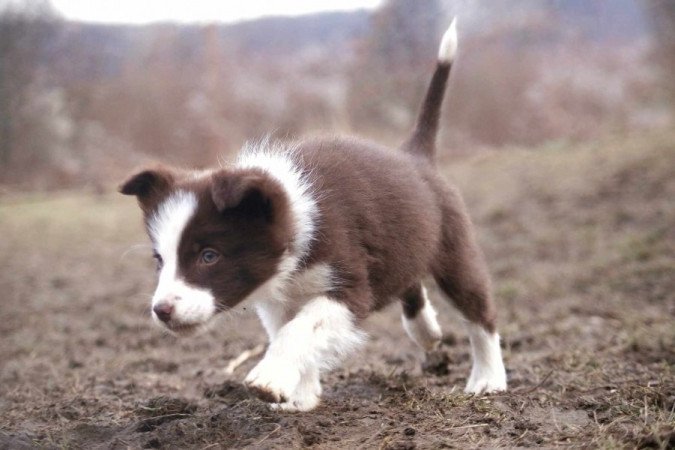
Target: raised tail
(423,139)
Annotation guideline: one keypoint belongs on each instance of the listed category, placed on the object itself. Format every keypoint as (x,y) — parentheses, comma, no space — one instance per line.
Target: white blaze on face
(192,305)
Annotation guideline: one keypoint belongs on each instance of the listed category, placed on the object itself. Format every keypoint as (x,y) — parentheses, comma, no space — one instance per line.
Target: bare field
(581,244)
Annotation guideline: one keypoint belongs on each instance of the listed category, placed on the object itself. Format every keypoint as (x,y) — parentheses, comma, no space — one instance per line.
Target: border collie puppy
(315,236)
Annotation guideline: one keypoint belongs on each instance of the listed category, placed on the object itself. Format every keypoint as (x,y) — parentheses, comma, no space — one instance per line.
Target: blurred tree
(25,28)
(385,90)
(662,14)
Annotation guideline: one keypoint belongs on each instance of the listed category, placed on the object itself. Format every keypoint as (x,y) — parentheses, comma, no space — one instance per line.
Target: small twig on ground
(277,428)
(241,359)
(475,425)
(534,388)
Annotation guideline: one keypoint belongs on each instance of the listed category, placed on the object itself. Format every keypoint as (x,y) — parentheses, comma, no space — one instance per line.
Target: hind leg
(462,275)
(419,318)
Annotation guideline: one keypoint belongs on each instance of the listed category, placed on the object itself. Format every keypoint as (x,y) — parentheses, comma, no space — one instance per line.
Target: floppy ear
(252,194)
(148,185)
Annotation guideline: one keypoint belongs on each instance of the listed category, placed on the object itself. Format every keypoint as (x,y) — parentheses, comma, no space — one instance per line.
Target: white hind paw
(488,373)
(486,384)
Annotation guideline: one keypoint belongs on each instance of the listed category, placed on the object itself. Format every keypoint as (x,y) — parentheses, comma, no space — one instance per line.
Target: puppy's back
(377,206)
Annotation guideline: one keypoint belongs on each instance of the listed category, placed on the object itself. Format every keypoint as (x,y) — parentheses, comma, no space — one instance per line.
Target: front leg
(320,335)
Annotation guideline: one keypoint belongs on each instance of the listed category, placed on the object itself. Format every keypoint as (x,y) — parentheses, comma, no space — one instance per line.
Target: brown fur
(242,214)
(150,186)
(423,139)
(386,220)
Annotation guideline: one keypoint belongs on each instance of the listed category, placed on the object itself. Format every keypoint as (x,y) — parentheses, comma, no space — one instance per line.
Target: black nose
(163,311)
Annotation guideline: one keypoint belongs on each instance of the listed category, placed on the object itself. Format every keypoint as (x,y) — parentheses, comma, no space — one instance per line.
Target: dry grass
(581,242)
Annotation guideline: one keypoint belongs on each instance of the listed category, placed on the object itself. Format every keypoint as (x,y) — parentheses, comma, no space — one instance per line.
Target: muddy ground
(581,244)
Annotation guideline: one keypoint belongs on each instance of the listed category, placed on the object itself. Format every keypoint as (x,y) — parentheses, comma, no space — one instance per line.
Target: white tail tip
(448,49)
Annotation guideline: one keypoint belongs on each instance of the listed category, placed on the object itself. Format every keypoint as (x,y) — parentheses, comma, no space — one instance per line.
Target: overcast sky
(145,11)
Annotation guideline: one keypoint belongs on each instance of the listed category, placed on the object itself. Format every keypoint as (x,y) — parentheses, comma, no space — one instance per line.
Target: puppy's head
(216,238)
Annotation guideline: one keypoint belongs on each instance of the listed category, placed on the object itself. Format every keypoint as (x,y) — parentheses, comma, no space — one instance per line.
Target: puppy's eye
(208,256)
(158,260)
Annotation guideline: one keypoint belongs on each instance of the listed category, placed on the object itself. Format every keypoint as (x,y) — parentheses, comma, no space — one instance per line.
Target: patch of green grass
(54,221)
(507,290)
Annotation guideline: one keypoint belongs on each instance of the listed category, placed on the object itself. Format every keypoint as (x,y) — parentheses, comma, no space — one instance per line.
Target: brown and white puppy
(315,236)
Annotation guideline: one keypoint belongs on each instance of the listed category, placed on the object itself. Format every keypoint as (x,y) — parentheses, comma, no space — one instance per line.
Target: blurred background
(85,97)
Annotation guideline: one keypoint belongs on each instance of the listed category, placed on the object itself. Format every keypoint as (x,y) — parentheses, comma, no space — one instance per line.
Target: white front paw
(306,396)
(299,403)
(273,381)
(486,382)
